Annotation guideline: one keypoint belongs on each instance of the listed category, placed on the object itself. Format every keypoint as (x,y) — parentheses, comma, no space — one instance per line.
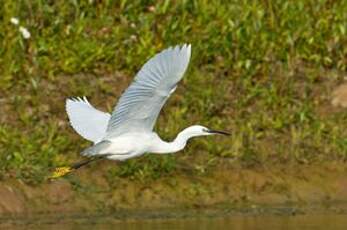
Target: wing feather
(139,106)
(87,121)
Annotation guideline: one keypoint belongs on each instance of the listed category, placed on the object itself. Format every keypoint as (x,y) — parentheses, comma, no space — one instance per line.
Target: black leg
(79,164)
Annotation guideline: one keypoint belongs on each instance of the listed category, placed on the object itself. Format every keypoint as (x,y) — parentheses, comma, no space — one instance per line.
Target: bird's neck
(176,145)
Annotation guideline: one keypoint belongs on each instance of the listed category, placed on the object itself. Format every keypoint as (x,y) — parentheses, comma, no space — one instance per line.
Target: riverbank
(228,187)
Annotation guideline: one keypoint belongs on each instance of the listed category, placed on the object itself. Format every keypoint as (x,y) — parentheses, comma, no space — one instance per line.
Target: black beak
(218,132)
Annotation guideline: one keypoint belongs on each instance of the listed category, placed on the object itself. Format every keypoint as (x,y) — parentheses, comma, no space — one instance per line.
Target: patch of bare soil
(339,96)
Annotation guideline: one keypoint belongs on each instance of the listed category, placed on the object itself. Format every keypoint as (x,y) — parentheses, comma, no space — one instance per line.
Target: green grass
(262,69)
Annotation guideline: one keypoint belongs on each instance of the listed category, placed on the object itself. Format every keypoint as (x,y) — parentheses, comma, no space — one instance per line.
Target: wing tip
(186,51)
(69,103)
(181,47)
(77,99)
(187,48)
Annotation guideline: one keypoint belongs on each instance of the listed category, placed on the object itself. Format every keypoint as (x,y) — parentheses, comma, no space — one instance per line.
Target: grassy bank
(229,188)
(263,69)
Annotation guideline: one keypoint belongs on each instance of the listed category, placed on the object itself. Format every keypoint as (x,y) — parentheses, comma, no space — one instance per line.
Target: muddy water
(237,222)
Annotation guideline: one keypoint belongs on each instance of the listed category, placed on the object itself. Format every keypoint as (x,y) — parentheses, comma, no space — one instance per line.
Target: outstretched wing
(87,121)
(139,106)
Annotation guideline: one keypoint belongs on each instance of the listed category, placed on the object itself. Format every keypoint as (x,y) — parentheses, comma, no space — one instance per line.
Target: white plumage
(88,122)
(138,108)
(128,132)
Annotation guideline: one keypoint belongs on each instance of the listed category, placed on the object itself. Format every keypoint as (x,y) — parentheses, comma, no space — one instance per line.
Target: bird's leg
(79,164)
(62,171)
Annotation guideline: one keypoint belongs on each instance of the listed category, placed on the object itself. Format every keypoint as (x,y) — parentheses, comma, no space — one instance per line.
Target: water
(236,222)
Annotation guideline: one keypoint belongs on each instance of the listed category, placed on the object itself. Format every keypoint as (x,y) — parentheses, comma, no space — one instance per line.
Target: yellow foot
(60,171)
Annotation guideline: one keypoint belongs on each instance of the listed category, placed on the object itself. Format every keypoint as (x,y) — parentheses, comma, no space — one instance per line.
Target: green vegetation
(262,69)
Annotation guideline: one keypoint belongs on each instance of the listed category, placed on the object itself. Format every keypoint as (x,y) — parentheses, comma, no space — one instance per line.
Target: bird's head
(198,130)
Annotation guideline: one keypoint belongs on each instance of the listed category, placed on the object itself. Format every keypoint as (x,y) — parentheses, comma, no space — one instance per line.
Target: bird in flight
(128,131)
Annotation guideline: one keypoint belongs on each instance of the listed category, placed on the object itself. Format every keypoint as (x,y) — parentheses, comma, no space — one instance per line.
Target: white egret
(128,131)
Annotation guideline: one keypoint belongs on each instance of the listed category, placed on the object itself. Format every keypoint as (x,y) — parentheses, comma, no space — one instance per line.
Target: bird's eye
(205,130)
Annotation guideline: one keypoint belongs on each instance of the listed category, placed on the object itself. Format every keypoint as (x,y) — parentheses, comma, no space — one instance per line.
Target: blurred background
(270,72)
